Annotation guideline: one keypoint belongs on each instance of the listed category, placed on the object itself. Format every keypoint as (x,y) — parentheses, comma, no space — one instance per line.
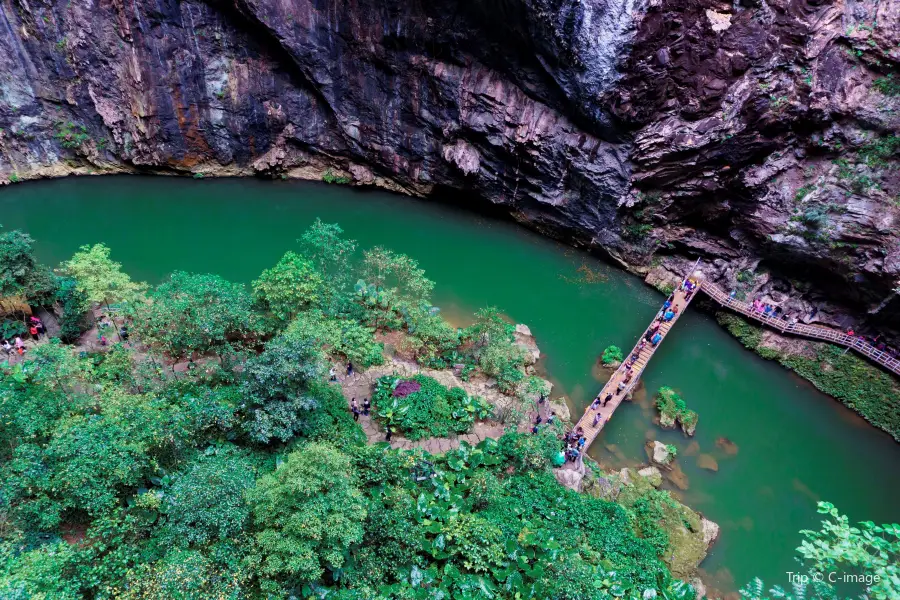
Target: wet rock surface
(760,136)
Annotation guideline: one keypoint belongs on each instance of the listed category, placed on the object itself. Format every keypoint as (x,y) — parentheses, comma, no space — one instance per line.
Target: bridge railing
(812,331)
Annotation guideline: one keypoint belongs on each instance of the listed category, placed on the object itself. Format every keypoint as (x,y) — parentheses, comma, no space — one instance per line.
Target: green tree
(397,272)
(196,313)
(16,261)
(309,515)
(289,287)
(279,388)
(20,274)
(331,253)
(205,502)
(100,277)
(74,303)
(87,463)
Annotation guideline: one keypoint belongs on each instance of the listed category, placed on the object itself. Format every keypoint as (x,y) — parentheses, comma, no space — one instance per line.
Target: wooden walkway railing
(811,331)
(586,423)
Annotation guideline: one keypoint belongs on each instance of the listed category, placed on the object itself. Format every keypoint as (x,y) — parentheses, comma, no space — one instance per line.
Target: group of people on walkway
(573,444)
(16,345)
(356,410)
(776,312)
(876,342)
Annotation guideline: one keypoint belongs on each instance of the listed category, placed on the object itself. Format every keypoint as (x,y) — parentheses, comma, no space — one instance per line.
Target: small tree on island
(612,356)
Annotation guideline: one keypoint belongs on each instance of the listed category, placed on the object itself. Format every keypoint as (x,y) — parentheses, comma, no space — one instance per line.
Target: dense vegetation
(866,389)
(421,407)
(208,456)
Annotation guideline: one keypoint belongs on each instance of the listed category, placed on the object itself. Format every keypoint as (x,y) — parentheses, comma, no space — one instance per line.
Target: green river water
(795,445)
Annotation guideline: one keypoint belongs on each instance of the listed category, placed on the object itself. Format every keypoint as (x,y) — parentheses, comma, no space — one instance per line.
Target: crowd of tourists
(16,345)
(792,318)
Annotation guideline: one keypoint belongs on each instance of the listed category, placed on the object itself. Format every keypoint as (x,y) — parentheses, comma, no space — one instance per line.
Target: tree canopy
(289,287)
(196,313)
(100,277)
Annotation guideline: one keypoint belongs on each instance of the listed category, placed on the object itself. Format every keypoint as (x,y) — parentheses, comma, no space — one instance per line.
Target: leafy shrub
(10,328)
(183,575)
(205,502)
(421,407)
(814,218)
(329,177)
(530,452)
(611,355)
(70,135)
(637,231)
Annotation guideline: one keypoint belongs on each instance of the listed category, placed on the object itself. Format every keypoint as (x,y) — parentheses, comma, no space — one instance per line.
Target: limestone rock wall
(760,132)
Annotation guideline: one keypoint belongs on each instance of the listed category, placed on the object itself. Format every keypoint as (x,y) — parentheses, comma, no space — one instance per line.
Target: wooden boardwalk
(817,332)
(612,386)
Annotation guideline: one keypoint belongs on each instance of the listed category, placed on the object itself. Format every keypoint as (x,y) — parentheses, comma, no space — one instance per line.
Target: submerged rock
(706,461)
(727,446)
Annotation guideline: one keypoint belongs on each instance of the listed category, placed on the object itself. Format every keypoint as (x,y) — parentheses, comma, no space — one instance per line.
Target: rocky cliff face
(760,135)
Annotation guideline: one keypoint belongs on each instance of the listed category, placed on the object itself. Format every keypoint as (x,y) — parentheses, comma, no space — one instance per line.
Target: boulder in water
(660,453)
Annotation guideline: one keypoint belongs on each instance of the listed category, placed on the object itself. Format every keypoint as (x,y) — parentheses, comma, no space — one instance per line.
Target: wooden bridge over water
(680,299)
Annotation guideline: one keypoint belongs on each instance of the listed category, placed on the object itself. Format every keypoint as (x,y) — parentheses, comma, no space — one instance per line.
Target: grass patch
(889,86)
